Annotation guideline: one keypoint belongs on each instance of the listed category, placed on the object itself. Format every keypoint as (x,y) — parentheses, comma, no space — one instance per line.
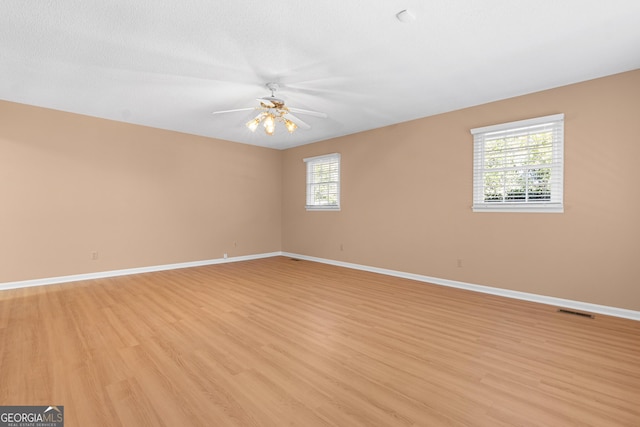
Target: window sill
(519,207)
(322,208)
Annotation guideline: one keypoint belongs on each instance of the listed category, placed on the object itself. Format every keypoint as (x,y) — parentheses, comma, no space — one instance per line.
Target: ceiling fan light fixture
(291,127)
(253,123)
(270,124)
(270,121)
(273,110)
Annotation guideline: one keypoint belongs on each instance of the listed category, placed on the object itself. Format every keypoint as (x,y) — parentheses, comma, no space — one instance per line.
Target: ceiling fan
(273,110)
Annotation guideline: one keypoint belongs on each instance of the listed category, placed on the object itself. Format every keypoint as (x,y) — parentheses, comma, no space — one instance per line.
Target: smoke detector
(405,16)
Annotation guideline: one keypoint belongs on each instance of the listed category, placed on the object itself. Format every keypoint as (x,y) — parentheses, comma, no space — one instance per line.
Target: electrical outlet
(225,255)
(94,255)
(459,263)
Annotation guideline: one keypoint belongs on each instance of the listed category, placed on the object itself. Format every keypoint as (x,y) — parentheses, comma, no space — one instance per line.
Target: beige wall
(71,185)
(406,200)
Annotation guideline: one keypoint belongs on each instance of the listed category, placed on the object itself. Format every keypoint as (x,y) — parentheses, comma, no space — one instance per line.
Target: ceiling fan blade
(308,112)
(266,101)
(297,121)
(233,111)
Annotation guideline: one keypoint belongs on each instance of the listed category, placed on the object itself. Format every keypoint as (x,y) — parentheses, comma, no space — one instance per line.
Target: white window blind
(323,182)
(518,166)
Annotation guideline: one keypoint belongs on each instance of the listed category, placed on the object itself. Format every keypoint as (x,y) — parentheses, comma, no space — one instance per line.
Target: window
(323,182)
(518,166)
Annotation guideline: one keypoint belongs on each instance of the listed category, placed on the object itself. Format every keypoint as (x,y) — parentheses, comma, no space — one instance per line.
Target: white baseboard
(127,271)
(575,305)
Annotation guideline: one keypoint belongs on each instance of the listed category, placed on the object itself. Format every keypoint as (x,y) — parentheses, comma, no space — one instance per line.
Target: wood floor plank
(276,342)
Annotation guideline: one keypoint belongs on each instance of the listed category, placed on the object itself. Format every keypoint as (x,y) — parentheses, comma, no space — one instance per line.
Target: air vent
(576,313)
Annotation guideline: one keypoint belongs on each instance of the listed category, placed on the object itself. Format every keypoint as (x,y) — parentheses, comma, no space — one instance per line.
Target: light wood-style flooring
(278,342)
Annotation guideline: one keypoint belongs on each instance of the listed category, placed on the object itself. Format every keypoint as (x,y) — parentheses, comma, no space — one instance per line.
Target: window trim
(317,159)
(556,204)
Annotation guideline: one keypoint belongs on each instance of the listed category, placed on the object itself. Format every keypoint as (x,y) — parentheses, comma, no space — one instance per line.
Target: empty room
(320,214)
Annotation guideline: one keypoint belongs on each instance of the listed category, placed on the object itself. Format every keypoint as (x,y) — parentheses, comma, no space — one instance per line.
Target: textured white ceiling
(169,64)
